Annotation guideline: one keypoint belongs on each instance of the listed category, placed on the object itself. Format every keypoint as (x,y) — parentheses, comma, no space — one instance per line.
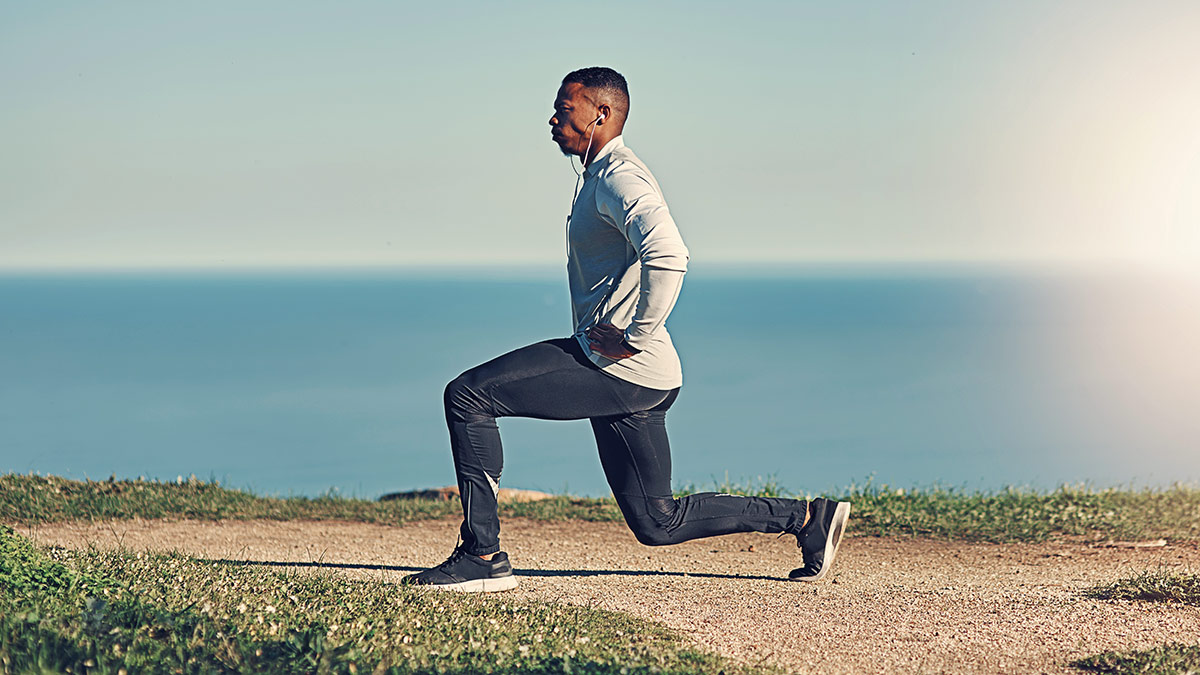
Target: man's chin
(563,148)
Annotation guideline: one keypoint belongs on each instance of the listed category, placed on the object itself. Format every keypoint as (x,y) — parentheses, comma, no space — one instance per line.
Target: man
(625,266)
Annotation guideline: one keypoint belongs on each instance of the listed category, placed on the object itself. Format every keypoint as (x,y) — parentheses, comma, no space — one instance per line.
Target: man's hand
(609,341)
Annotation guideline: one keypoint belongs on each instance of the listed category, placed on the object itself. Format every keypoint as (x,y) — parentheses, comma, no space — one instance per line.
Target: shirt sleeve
(656,298)
(632,204)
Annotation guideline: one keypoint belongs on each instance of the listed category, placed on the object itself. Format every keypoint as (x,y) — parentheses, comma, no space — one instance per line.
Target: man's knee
(463,398)
(649,532)
(651,525)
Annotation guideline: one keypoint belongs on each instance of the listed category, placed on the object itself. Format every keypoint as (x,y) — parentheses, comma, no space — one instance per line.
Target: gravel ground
(893,605)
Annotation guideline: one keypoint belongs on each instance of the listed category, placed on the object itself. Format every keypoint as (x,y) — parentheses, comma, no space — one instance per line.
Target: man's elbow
(675,261)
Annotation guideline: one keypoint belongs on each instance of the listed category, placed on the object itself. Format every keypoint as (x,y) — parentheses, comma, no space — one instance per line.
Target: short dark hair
(604,79)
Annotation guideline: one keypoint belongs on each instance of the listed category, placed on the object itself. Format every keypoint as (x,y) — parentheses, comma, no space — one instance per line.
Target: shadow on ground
(518,572)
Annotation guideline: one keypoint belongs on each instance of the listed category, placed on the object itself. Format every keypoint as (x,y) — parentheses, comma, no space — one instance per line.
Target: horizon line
(543,270)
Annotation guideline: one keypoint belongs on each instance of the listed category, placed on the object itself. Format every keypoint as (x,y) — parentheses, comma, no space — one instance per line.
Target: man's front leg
(478,482)
(477,565)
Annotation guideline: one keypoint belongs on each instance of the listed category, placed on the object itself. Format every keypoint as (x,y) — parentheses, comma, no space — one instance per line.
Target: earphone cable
(578,180)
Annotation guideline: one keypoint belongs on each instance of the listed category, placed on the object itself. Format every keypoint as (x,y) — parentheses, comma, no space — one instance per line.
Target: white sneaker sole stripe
(478,585)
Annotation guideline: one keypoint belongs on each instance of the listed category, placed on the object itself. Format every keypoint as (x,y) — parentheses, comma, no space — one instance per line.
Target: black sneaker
(819,539)
(467,573)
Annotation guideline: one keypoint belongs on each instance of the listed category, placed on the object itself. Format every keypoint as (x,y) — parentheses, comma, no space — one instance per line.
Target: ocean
(305,384)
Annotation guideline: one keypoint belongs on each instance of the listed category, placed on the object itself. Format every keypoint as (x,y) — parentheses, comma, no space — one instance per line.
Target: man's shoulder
(623,160)
(625,172)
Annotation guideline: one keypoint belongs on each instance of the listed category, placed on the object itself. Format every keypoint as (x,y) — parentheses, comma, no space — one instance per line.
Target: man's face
(574,113)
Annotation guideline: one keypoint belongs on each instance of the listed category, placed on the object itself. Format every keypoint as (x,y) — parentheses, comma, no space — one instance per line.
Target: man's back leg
(636,456)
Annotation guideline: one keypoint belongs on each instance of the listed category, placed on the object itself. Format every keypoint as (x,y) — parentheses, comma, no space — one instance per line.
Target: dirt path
(894,605)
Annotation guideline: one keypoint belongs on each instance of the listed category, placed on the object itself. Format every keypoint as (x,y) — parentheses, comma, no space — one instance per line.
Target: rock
(443,494)
(451,492)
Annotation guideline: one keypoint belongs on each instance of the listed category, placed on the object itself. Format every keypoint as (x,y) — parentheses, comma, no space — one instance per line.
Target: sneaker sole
(840,515)
(478,585)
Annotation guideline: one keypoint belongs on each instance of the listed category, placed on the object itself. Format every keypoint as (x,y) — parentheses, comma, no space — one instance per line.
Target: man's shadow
(518,572)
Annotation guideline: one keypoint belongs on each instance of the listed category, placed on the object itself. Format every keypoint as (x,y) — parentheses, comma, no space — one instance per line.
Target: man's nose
(553,122)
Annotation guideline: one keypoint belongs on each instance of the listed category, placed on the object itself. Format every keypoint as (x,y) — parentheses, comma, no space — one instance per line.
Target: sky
(297,134)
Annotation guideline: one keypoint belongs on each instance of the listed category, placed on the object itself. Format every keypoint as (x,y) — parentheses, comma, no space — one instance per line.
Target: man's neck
(598,144)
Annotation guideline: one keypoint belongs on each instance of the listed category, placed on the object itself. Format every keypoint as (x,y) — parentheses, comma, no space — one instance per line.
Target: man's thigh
(635,451)
(553,380)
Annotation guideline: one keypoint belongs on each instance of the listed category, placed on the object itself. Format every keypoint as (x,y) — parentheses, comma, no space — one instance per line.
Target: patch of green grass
(1160,586)
(1013,514)
(1008,515)
(1172,659)
(28,500)
(104,612)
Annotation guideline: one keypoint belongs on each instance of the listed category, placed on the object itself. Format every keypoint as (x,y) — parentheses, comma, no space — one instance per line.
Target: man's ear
(605,112)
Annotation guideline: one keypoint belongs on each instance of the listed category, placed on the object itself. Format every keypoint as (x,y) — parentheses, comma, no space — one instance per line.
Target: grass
(1018,515)
(106,612)
(1010,515)
(1151,586)
(1155,586)
(1172,659)
(31,499)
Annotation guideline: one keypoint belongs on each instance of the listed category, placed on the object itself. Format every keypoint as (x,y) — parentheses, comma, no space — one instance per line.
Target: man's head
(591,103)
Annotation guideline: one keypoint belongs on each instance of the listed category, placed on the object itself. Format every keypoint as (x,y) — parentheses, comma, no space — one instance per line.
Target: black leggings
(554,380)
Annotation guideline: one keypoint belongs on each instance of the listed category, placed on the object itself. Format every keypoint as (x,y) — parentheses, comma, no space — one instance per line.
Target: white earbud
(599,119)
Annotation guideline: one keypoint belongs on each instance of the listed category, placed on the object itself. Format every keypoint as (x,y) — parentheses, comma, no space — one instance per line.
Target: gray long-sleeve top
(625,265)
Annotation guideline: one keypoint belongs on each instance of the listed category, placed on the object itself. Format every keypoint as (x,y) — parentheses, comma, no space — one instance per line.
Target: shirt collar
(602,157)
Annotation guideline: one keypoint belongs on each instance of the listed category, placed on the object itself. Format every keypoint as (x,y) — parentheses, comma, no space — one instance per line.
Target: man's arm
(636,208)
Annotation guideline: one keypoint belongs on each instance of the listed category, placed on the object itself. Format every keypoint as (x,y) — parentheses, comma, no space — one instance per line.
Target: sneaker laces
(457,555)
